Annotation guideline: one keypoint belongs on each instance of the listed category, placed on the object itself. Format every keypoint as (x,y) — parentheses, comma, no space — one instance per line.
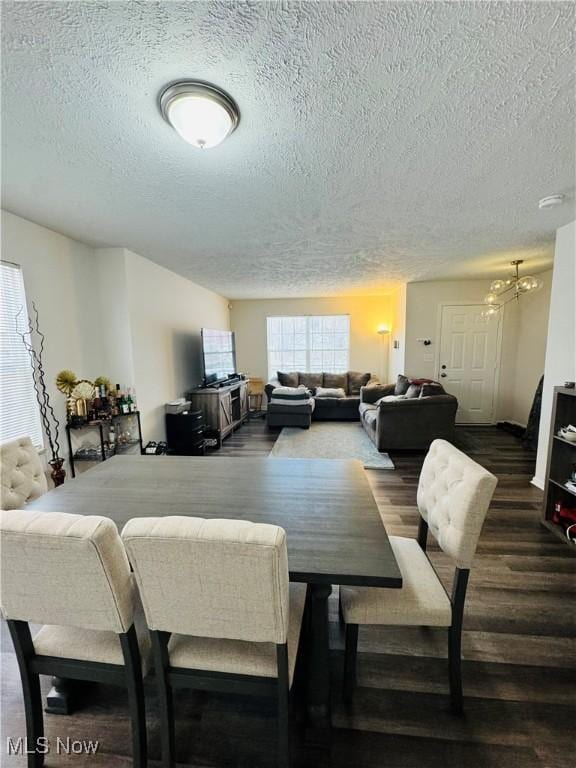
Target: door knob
(443,375)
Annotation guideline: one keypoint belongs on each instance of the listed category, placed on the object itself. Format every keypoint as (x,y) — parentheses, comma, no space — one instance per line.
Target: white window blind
(19,412)
(311,344)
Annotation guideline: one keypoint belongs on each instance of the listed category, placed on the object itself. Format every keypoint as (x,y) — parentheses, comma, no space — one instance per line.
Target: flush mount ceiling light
(201,113)
(510,288)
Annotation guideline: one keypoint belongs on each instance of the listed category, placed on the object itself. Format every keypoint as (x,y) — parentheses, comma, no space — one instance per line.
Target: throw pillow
(402,384)
(390,399)
(330,392)
(357,380)
(336,381)
(429,390)
(311,380)
(292,396)
(413,391)
(288,379)
(423,381)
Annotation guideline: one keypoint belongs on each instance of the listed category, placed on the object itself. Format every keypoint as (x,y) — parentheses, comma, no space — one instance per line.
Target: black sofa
(326,408)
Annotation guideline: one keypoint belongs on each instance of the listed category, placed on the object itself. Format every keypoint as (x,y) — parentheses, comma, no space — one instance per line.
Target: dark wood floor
(518,647)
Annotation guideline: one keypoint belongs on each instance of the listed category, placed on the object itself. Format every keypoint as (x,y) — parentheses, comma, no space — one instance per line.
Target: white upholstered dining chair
(21,473)
(454,493)
(71,574)
(221,612)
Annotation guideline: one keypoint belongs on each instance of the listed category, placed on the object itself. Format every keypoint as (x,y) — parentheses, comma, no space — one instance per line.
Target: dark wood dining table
(334,531)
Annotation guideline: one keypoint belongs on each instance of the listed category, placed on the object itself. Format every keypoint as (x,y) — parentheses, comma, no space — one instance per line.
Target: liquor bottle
(112,438)
(124,406)
(104,403)
(134,404)
(95,409)
(112,402)
(116,402)
(129,402)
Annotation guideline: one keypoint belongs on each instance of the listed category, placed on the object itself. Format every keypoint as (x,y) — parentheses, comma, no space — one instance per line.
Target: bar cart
(102,453)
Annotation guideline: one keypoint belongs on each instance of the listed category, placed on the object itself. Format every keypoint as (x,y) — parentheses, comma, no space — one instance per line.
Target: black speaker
(185,433)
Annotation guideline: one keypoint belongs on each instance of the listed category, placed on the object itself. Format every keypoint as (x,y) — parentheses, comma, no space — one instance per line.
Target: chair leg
(340,611)
(350,653)
(283,728)
(164,692)
(135,687)
(455,669)
(455,639)
(24,648)
(283,707)
(34,718)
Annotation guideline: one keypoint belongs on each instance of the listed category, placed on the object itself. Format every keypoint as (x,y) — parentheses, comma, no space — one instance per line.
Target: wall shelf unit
(561,462)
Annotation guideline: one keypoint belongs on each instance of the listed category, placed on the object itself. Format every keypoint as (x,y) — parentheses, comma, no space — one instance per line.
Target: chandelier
(505,290)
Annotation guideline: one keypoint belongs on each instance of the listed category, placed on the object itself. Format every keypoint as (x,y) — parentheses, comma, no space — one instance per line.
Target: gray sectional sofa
(411,423)
(325,408)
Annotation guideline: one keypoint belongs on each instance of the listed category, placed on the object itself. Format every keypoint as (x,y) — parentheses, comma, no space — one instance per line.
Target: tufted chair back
(21,471)
(68,570)
(211,578)
(454,493)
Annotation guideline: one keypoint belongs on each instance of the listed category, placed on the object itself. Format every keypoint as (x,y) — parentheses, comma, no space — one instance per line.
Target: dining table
(334,532)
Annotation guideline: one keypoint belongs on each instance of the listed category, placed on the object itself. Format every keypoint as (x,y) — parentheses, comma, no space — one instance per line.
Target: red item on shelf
(564,515)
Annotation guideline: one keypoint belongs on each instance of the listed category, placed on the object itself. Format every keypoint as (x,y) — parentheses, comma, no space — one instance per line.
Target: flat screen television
(218,355)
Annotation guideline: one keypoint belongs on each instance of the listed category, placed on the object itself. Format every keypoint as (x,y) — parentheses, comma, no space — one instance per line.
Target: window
(312,344)
(19,414)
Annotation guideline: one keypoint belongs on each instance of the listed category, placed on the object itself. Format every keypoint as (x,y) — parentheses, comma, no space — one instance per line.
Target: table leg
(58,700)
(319,663)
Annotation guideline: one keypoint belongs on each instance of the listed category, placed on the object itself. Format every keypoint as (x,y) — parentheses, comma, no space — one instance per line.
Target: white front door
(469,355)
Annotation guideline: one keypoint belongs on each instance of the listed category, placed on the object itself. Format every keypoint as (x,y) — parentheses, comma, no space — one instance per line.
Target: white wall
(560,363)
(166,314)
(423,311)
(115,315)
(530,351)
(368,350)
(60,277)
(523,338)
(111,312)
(397,357)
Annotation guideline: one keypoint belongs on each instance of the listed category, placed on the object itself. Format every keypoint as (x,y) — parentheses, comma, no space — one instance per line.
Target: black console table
(103,452)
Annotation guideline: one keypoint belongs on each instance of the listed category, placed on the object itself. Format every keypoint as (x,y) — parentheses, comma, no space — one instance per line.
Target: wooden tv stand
(224,408)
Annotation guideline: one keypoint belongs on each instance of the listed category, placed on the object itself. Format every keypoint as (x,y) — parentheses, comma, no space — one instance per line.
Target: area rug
(330,440)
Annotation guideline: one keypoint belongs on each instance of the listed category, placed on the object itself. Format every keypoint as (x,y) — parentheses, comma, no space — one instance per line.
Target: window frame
(309,348)
(23,382)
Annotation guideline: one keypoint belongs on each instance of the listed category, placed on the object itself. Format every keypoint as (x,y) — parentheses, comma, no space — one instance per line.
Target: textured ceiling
(379,142)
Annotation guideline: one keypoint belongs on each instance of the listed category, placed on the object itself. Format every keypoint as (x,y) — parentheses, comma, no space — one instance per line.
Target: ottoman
(289,415)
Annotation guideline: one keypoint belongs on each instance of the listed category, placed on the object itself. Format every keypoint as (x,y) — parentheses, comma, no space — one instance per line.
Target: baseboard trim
(537,482)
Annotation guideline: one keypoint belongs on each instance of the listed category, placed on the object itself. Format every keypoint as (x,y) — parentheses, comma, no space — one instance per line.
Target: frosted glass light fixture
(202,114)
